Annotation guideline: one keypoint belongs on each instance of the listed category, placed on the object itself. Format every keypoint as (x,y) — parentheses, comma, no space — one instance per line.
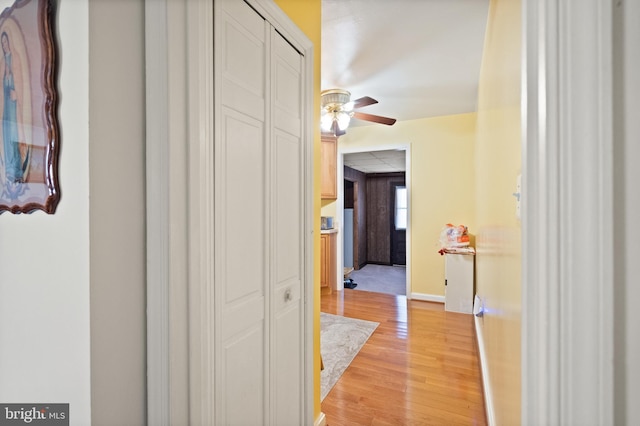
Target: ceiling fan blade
(364,101)
(374,118)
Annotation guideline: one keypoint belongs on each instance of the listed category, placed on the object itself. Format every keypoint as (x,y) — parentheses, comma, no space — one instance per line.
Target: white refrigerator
(347,236)
(459,282)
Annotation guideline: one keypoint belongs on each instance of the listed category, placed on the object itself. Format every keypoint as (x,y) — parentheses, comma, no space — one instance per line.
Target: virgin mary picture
(29,134)
(16,148)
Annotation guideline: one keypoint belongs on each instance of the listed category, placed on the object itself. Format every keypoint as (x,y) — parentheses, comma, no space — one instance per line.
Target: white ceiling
(418,58)
(377,161)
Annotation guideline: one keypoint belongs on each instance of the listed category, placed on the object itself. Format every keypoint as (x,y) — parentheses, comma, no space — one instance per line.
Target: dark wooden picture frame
(29,133)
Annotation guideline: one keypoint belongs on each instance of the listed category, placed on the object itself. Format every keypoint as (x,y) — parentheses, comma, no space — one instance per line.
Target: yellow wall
(307,15)
(329,208)
(442,184)
(462,172)
(498,260)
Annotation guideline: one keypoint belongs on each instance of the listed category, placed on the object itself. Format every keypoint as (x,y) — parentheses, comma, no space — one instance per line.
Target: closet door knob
(287,295)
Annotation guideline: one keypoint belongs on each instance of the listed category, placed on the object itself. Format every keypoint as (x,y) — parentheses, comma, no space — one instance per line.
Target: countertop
(329,231)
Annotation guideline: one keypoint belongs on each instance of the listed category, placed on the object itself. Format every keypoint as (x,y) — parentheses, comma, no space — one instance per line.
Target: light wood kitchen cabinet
(328,187)
(328,263)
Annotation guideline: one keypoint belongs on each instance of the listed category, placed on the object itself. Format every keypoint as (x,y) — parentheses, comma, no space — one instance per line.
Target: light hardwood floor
(420,366)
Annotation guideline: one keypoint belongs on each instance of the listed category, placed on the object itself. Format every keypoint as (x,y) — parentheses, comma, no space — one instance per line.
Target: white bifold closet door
(259,323)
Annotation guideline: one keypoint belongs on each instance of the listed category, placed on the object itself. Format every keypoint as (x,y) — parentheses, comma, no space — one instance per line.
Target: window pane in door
(401,207)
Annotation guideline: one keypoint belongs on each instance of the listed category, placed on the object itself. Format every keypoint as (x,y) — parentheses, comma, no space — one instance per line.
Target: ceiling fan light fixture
(334,98)
(338,108)
(326,120)
(348,107)
(343,120)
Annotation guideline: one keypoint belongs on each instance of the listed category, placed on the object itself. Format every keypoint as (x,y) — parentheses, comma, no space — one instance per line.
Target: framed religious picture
(29,137)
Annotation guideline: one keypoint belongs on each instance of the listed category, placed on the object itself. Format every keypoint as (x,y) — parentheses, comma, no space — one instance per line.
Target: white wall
(72,284)
(627,205)
(117,212)
(44,259)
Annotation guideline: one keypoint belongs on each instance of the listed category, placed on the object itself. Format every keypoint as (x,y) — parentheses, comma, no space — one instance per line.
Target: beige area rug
(341,339)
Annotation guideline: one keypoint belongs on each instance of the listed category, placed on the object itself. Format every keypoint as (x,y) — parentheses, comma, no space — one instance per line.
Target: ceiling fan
(338,109)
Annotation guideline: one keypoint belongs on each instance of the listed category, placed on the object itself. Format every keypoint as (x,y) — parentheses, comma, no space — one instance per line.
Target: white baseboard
(427,297)
(321,420)
(484,368)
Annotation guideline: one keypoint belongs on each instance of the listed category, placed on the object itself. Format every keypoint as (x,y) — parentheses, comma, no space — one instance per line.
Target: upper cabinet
(328,187)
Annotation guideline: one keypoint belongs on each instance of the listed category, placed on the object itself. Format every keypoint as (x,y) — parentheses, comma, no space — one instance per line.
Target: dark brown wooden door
(399,247)
(380,216)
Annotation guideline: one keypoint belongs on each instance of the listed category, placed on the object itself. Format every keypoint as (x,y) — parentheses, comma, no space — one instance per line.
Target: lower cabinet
(328,262)
(458,281)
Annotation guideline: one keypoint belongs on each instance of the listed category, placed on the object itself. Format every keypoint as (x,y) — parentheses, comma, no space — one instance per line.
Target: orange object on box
(454,236)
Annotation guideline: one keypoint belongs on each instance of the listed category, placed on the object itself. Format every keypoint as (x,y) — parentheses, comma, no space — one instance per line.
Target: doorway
(354,218)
